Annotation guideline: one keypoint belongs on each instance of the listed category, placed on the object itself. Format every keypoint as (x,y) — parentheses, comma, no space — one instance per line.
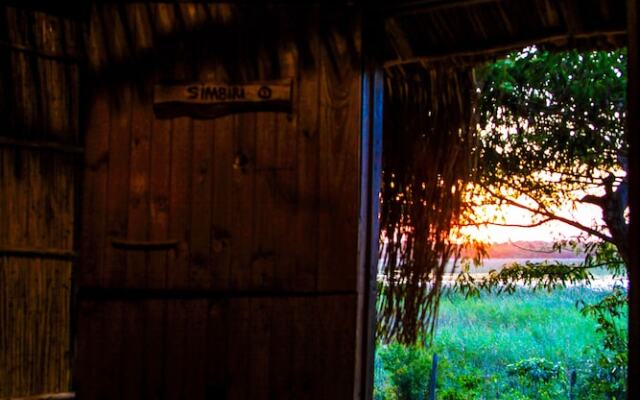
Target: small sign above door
(215,99)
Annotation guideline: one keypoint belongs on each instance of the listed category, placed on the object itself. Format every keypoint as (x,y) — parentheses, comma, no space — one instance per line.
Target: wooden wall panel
(230,244)
(253,201)
(256,348)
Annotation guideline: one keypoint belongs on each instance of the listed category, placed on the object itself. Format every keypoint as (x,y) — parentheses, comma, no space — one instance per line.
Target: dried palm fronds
(429,157)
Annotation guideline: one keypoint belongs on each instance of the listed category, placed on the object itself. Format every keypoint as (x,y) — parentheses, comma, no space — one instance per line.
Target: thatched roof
(417,31)
(469,31)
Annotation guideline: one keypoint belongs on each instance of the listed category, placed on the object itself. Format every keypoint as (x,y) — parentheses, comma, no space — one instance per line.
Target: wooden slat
(217,350)
(238,339)
(339,165)
(40,145)
(180,200)
(159,193)
(306,357)
(56,254)
(111,379)
(223,200)
(90,349)
(307,134)
(180,184)
(195,344)
(117,206)
(263,257)
(155,316)
(47,396)
(260,325)
(139,188)
(176,367)
(201,196)
(95,191)
(131,361)
(243,191)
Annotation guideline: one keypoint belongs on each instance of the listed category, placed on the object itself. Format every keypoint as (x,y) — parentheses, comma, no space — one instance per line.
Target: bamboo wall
(39,128)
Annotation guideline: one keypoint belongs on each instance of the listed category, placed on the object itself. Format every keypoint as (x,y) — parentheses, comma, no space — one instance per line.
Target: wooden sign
(214,99)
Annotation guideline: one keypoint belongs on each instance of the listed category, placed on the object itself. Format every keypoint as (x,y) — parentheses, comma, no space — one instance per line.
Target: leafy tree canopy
(553,135)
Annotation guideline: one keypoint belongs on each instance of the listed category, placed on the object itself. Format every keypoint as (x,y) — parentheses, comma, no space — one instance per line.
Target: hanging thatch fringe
(429,158)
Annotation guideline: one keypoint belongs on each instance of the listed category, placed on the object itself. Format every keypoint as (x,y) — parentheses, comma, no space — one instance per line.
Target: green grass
(477,338)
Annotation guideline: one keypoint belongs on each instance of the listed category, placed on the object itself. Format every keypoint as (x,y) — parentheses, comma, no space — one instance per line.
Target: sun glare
(512,216)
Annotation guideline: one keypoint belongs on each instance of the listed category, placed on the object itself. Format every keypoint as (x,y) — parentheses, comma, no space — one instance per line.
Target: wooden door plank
(155,317)
(260,325)
(159,195)
(132,358)
(243,189)
(308,350)
(307,141)
(176,367)
(91,348)
(281,369)
(217,380)
(195,346)
(285,215)
(238,339)
(222,204)
(262,262)
(138,202)
(181,168)
(340,165)
(110,366)
(114,271)
(202,153)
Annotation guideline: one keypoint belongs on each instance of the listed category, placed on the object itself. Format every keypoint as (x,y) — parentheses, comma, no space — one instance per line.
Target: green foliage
(608,365)
(548,275)
(479,337)
(557,112)
(535,369)
(408,369)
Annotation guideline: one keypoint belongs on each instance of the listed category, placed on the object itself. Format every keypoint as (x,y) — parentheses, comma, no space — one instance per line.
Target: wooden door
(221,257)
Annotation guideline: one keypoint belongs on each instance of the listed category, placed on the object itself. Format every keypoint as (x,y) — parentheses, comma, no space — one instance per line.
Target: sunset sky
(585,214)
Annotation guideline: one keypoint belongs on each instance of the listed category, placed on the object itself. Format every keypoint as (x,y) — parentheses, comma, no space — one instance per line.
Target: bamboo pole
(47,396)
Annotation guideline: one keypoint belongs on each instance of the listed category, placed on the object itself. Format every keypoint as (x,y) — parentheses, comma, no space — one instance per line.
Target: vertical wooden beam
(370,181)
(633,138)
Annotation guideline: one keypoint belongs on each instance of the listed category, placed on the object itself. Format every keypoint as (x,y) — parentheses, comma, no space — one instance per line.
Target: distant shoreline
(537,249)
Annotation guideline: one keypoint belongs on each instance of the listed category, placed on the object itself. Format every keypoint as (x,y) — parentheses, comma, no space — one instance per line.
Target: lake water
(603,280)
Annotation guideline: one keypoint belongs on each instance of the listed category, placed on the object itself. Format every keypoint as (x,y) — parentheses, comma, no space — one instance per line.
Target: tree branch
(532,225)
(544,212)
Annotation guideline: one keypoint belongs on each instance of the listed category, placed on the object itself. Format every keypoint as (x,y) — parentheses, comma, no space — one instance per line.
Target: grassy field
(520,346)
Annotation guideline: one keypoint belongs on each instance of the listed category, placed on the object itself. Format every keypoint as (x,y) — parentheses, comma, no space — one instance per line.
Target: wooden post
(572,385)
(370,180)
(433,377)
(633,138)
